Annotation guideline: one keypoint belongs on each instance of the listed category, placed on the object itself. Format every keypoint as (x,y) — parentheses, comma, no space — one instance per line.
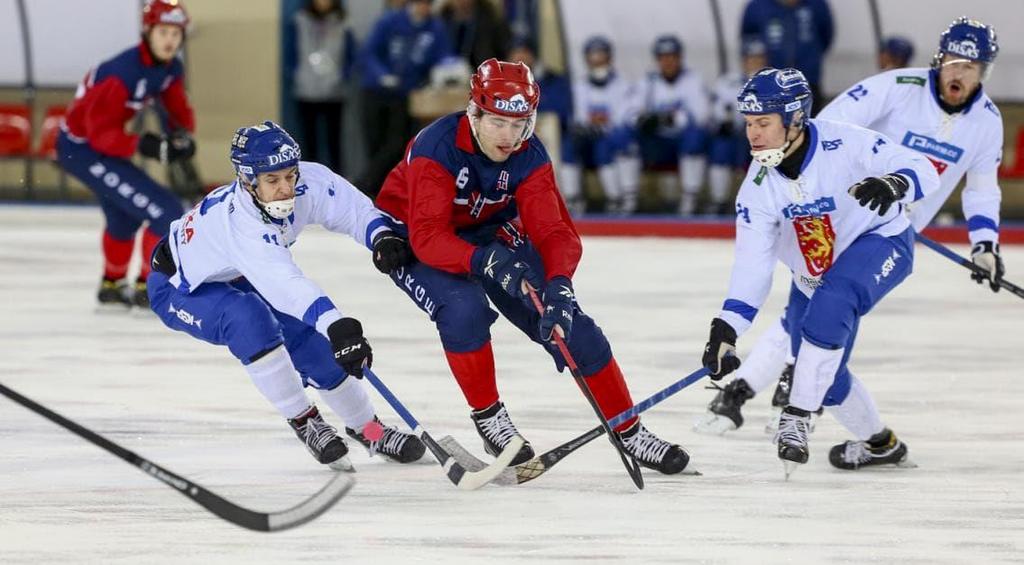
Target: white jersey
(226,237)
(723,101)
(605,104)
(686,98)
(809,222)
(903,105)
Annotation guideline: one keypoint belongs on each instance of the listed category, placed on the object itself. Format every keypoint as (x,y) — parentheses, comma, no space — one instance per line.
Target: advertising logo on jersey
(818,208)
(515,105)
(932,147)
(816,239)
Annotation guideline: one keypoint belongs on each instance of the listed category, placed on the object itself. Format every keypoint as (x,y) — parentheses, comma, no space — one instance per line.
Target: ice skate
(653,452)
(791,438)
(322,440)
(140,298)
(389,442)
(496,429)
(883,448)
(113,296)
(780,398)
(724,411)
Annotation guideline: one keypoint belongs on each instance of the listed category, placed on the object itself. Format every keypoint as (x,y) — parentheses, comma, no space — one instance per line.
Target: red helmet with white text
(169,12)
(506,89)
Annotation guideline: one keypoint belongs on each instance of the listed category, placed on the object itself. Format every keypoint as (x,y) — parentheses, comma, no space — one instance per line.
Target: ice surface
(942,356)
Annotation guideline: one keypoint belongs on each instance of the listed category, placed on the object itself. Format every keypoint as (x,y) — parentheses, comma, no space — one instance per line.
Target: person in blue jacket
(396,58)
(797,34)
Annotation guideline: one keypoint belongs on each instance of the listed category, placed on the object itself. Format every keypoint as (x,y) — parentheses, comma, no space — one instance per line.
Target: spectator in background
(729,149)
(797,33)
(600,103)
(476,30)
(325,49)
(670,121)
(556,93)
(895,52)
(398,55)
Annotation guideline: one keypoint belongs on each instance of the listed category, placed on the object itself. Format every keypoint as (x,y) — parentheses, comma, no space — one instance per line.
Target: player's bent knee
(465,325)
(588,345)
(249,327)
(831,314)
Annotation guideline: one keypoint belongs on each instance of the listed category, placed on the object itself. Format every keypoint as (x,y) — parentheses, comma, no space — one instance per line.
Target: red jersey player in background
(464,182)
(95,148)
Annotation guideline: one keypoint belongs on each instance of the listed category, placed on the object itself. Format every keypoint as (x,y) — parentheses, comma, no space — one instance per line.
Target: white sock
(858,412)
(628,167)
(763,365)
(279,382)
(691,173)
(815,371)
(569,181)
(719,177)
(610,182)
(350,401)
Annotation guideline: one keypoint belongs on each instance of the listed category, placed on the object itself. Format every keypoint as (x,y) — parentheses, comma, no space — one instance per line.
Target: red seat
(15,130)
(48,137)
(1015,170)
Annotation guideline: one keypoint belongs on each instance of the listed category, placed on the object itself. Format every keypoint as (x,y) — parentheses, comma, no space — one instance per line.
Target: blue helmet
(667,45)
(969,39)
(899,47)
(597,43)
(777,91)
(263,148)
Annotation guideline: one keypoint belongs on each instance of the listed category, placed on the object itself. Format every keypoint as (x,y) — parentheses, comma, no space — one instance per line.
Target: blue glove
(558,302)
(499,264)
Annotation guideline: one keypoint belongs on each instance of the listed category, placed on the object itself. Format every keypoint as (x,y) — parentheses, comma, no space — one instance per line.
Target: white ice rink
(942,356)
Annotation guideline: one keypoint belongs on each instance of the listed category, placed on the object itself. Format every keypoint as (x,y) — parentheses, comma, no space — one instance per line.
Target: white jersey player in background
(225,275)
(942,113)
(668,121)
(826,199)
(598,136)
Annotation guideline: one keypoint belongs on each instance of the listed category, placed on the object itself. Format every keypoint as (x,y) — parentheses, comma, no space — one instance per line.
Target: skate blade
(342,464)
(906,463)
(788,467)
(713,424)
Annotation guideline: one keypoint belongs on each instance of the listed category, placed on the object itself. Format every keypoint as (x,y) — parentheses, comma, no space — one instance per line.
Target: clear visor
(966,68)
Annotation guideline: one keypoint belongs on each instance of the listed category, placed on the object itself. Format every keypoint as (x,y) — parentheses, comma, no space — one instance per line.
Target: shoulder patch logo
(919,81)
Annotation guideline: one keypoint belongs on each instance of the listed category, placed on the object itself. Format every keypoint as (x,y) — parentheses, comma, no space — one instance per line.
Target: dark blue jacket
(795,36)
(397,46)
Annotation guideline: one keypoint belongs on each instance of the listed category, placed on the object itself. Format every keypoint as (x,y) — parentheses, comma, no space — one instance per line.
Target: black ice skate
(393,444)
(780,399)
(653,452)
(794,425)
(724,411)
(497,429)
(321,440)
(140,298)
(883,448)
(113,296)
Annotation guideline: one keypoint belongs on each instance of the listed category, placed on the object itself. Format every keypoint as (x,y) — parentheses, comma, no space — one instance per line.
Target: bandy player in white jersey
(225,275)
(944,114)
(826,199)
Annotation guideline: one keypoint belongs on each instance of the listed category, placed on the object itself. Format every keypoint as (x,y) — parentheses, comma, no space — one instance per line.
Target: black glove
(985,254)
(391,252)
(586,133)
(182,146)
(153,146)
(351,350)
(880,192)
(720,352)
(558,302)
(647,124)
(499,264)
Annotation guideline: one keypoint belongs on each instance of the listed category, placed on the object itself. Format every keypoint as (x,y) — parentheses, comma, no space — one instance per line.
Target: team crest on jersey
(816,239)
(932,147)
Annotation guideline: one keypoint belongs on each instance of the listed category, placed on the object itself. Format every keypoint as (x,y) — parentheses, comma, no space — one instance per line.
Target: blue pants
(665,147)
(729,151)
(127,195)
(871,267)
(458,306)
(591,152)
(235,315)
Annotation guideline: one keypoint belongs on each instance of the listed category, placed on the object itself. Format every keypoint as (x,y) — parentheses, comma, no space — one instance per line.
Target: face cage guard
(249,184)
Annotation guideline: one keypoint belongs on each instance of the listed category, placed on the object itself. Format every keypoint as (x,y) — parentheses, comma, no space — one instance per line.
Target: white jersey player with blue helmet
(942,113)
(826,199)
(225,275)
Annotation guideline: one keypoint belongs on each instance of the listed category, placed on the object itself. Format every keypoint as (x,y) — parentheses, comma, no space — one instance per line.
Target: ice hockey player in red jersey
(476,195)
(94,146)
